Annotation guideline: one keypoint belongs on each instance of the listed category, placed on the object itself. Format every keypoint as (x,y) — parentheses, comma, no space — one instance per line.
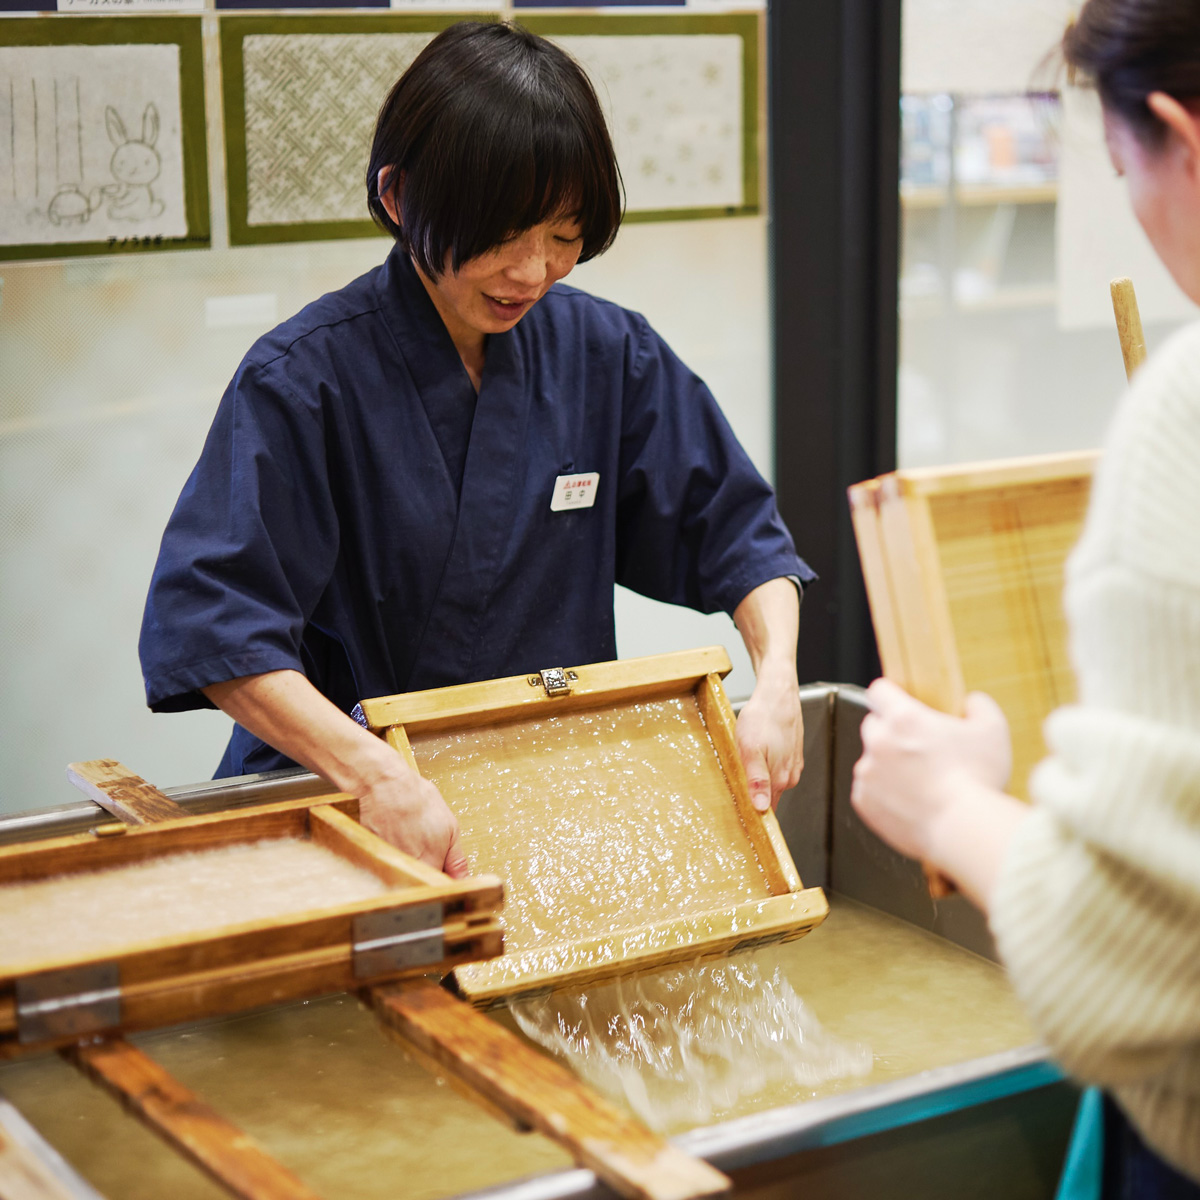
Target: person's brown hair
(1130,48)
(491,131)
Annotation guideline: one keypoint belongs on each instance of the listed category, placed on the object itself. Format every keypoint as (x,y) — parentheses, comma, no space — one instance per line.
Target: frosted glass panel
(996,269)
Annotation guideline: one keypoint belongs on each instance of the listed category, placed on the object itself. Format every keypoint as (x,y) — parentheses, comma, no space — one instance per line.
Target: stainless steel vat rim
(780,1132)
(212,795)
(19,1131)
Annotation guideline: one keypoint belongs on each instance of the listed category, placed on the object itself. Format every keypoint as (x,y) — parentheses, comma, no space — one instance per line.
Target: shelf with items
(927,196)
(979,192)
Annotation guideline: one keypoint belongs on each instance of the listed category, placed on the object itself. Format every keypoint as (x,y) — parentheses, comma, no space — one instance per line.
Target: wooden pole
(1129,324)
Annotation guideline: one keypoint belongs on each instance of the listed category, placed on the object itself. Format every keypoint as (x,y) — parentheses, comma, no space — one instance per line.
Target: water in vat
(598,821)
(320,1087)
(177,894)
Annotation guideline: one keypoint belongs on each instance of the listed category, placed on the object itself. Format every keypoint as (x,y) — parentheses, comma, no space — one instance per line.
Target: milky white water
(73,915)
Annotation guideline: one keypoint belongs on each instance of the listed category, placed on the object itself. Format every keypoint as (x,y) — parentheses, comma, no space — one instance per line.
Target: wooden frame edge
(521,695)
(653,947)
(761,828)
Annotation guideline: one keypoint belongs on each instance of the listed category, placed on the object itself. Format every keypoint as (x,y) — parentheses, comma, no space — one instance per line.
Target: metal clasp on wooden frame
(68,1003)
(386,942)
(556,680)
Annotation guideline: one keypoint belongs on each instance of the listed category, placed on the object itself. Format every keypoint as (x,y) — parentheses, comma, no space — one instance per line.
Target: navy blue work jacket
(357,514)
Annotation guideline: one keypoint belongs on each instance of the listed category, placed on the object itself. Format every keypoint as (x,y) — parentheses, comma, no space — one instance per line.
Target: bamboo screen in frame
(964,573)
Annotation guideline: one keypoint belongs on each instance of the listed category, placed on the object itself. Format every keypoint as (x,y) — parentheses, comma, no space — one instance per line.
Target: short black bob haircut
(491,131)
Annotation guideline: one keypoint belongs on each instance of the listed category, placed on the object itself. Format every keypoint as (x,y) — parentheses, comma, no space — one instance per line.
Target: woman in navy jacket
(438,473)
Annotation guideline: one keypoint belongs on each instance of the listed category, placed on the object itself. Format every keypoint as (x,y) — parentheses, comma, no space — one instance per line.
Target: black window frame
(834,121)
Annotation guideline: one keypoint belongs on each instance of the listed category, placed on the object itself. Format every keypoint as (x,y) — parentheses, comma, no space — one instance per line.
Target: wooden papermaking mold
(964,568)
(612,801)
(416,920)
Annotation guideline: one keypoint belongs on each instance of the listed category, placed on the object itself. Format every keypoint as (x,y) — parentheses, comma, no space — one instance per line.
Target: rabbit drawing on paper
(135,166)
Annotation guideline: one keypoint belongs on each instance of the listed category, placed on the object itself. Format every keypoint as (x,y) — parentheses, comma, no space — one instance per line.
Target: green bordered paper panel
(301,94)
(102,136)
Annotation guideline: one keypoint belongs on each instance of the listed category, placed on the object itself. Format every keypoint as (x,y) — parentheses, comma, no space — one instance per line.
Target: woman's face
(1164,189)
(493,291)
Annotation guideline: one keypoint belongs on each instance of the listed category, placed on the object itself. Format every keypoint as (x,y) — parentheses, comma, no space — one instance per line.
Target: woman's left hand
(919,764)
(770,736)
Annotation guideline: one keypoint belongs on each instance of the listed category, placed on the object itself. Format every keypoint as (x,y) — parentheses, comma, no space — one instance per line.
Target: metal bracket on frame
(398,938)
(556,680)
(69,1003)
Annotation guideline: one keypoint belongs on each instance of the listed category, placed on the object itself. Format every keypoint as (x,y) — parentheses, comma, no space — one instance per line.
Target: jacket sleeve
(696,523)
(248,550)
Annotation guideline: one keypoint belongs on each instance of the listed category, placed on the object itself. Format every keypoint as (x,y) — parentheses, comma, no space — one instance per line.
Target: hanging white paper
(1099,238)
(674,106)
(90,144)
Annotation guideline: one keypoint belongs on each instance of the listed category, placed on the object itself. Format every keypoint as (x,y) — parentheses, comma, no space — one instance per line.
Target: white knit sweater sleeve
(1097,911)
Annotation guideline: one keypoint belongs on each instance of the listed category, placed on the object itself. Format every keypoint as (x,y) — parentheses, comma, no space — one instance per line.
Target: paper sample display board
(131,928)
(102,139)
(612,801)
(301,95)
(964,573)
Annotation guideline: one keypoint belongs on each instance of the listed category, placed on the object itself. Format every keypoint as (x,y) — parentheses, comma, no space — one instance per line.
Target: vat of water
(955,1098)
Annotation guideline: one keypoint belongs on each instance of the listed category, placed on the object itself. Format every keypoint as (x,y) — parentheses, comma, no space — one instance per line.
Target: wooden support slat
(185,1122)
(116,788)
(1129,325)
(543,1094)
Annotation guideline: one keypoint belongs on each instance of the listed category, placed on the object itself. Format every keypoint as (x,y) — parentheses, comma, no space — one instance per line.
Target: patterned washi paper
(681,94)
(311,103)
(684,99)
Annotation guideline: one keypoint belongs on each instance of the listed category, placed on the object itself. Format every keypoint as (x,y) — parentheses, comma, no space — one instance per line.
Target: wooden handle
(541,1093)
(940,886)
(1129,324)
(185,1122)
(116,788)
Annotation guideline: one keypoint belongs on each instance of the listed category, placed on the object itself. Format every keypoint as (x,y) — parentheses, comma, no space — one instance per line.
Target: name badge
(574,491)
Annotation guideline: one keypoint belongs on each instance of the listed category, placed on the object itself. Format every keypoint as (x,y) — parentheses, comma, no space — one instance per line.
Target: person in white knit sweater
(1093,892)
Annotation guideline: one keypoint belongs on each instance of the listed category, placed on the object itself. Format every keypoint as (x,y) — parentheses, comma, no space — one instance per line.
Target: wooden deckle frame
(964,573)
(239,966)
(784,908)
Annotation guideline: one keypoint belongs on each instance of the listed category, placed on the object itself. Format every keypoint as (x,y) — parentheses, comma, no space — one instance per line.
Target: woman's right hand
(408,811)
